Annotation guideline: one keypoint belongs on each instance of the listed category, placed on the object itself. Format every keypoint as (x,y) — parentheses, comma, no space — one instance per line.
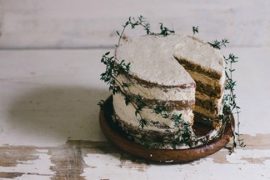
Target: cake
(179,73)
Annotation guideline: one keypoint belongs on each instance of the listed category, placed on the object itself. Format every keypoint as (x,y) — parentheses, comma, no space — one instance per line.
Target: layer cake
(184,74)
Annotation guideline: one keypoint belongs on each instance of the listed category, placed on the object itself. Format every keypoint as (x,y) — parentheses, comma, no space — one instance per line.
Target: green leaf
(195,29)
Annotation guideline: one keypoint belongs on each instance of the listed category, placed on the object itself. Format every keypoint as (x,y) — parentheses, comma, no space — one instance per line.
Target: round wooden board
(157,155)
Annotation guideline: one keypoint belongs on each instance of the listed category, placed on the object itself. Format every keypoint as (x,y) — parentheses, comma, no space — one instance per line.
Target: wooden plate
(114,134)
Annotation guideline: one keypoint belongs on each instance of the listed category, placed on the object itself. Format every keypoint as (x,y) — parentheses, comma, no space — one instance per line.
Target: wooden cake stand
(114,134)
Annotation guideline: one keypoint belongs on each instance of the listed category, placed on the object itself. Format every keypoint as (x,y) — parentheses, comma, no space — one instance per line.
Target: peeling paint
(259,141)
(260,160)
(11,156)
(10,175)
(138,165)
(68,161)
(220,157)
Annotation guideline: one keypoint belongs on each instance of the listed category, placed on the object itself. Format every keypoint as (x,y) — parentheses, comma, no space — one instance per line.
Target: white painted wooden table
(49,87)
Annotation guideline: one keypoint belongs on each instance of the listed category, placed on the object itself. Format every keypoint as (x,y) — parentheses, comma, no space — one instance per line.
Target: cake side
(184,95)
(151,58)
(157,129)
(127,114)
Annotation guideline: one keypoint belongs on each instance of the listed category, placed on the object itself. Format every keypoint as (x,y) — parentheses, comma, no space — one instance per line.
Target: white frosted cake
(183,74)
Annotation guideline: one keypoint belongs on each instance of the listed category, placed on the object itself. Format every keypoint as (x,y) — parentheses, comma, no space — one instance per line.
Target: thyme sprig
(113,70)
(133,22)
(101,104)
(161,109)
(219,44)
(177,118)
(184,135)
(229,100)
(195,29)
(164,31)
(230,104)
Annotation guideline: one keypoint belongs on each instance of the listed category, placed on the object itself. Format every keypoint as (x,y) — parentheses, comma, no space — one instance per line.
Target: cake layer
(214,84)
(208,90)
(204,112)
(208,85)
(208,106)
(149,138)
(182,96)
(207,102)
(166,139)
(155,121)
(207,113)
(197,68)
(201,118)
(177,105)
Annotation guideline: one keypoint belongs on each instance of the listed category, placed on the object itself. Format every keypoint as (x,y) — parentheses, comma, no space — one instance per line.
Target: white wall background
(92,24)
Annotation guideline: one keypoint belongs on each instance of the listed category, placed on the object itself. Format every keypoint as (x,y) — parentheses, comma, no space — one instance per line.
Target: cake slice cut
(206,66)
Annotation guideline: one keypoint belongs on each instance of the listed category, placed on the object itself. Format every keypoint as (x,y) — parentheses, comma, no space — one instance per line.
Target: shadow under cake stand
(114,134)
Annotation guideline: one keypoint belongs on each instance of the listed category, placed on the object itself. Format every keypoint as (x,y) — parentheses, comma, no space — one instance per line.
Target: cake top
(199,53)
(152,58)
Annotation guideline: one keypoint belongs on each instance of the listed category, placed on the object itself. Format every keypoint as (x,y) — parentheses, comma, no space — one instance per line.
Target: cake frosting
(197,52)
(153,61)
(127,114)
(160,93)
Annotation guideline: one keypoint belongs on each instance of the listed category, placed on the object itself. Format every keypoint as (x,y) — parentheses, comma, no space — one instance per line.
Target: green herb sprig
(113,70)
(230,104)
(161,109)
(219,44)
(141,22)
(177,118)
(229,100)
(185,135)
(164,31)
(101,104)
(195,29)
